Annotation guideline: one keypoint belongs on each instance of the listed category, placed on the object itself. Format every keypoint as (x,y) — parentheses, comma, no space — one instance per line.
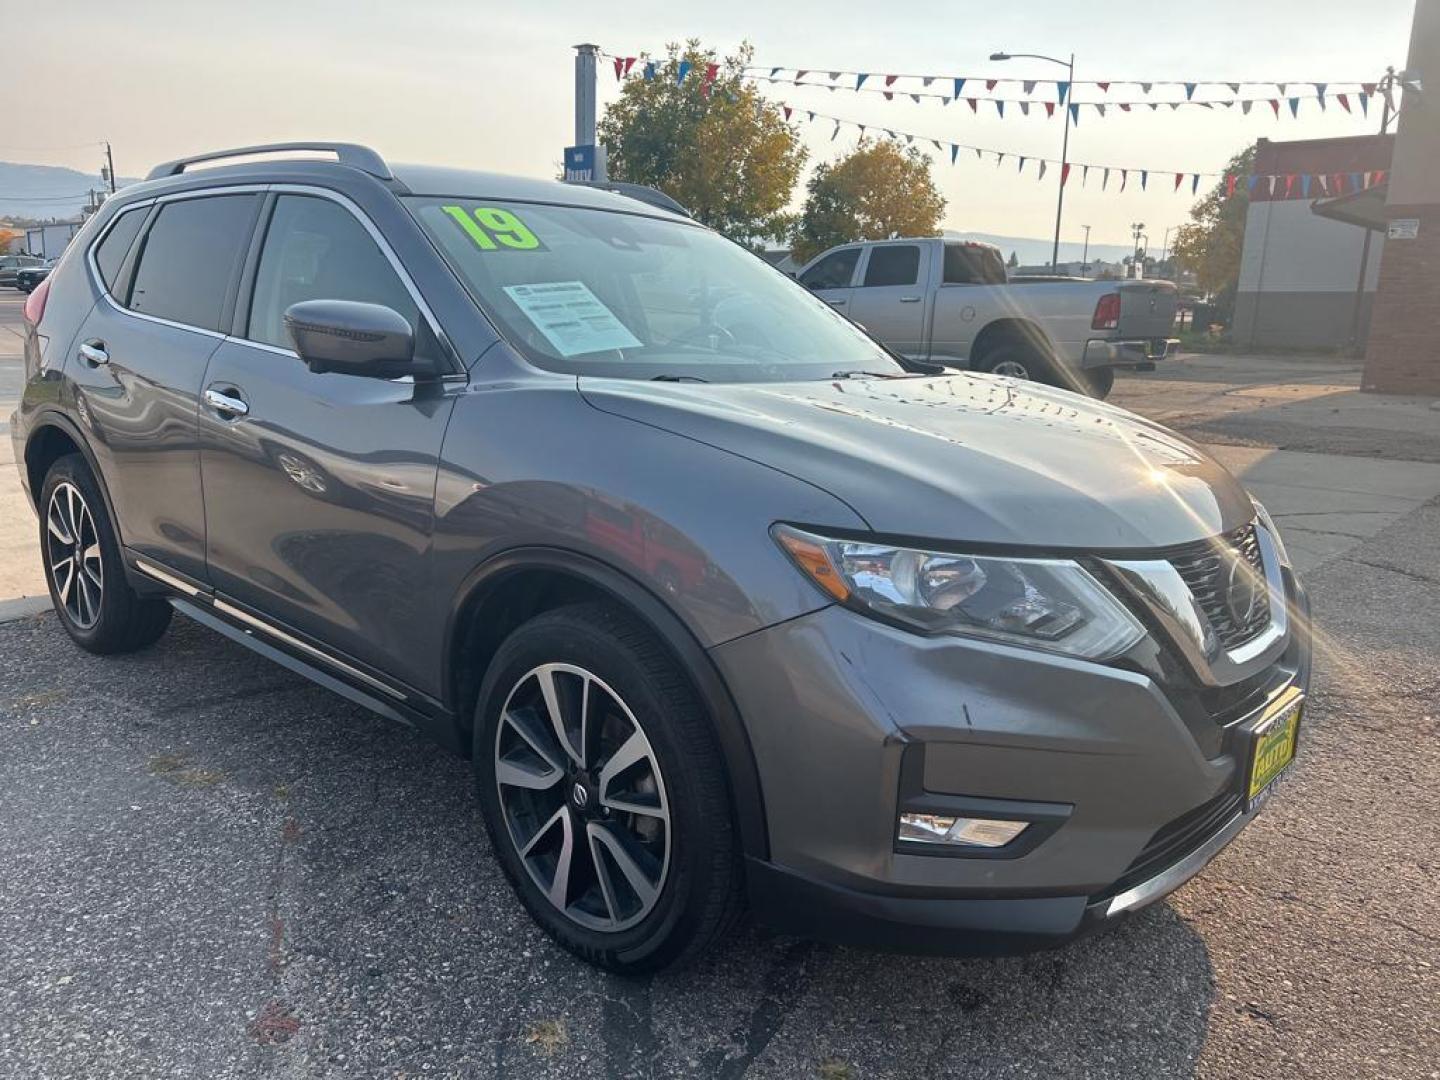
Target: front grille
(1176,840)
(1206,569)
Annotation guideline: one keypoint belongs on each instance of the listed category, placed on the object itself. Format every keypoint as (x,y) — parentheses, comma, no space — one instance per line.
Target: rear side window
(189,259)
(898,265)
(315,249)
(967,265)
(110,252)
(834,271)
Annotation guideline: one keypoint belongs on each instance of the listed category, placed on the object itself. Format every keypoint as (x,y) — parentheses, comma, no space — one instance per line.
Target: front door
(890,300)
(140,360)
(831,278)
(319,488)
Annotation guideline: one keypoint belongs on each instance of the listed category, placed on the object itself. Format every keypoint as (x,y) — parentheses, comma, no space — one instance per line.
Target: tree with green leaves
(1211,244)
(876,191)
(708,140)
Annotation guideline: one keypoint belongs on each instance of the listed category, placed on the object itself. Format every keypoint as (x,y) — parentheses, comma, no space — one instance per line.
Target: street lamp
(1065,141)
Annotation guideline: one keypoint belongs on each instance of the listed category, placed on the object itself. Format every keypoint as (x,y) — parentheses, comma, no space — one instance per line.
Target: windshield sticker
(494,229)
(571,317)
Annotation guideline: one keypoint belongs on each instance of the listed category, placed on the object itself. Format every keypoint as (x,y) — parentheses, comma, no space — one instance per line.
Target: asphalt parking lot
(209,867)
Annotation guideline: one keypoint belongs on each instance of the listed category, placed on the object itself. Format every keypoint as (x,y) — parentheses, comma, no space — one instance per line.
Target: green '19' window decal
(494,229)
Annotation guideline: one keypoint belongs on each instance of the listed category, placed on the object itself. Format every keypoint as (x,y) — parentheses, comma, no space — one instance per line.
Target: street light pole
(1069,65)
(110,159)
(1085,258)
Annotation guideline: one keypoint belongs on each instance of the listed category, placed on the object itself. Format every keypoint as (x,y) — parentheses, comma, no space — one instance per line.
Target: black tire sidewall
(566,636)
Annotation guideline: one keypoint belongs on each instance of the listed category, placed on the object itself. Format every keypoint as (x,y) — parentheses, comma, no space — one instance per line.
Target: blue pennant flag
(682,71)
(1305,185)
(959,85)
(954,150)
(1295,106)
(1195,185)
(649,70)
(1190,90)
(1000,107)
(1355,183)
(1365,103)
(1075,115)
(1144,178)
(1062,88)
(774,72)
(860,79)
(1250,182)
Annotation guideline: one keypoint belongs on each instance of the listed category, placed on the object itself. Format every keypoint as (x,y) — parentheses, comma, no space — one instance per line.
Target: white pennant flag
(1245,106)
(1030,86)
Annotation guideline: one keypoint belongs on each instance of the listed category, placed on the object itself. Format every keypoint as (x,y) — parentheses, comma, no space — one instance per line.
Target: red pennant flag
(1368,88)
(889,95)
(973,106)
(1230,186)
(1049,108)
(801,74)
(1124,106)
(890,79)
(1064,173)
(1179,176)
(711,70)
(629,63)
(1275,105)
(990,83)
(1289,184)
(1379,177)
(786,110)
(619,68)
(1344,100)
(1104,86)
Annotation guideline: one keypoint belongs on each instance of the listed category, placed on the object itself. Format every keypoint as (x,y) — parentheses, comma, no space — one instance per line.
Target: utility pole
(1387,88)
(1085,258)
(110,166)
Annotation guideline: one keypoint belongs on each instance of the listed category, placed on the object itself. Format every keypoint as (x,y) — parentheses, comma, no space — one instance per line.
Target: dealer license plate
(1272,748)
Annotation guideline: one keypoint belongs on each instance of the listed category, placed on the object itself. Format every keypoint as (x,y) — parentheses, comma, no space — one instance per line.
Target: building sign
(1405,228)
(584,164)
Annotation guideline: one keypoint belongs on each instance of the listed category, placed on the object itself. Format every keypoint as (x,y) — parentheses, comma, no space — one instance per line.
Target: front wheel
(83,566)
(604,792)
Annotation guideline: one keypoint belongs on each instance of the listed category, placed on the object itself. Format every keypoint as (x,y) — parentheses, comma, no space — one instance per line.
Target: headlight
(1269,525)
(1052,604)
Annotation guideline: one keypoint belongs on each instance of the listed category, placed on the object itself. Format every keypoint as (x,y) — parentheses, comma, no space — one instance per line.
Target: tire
(1099,382)
(98,608)
(1018,361)
(683,844)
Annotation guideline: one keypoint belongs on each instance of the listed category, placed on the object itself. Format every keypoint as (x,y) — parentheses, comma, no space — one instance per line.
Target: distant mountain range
(46,191)
(1033,252)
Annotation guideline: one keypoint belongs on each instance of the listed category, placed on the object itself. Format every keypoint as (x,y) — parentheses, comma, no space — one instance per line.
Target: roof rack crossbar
(352,154)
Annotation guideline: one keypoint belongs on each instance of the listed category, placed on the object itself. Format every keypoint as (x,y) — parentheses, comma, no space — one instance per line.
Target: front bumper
(1140,353)
(835,705)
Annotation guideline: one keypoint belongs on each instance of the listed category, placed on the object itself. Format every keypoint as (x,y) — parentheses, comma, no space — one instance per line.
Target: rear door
(319,488)
(832,276)
(169,273)
(890,299)
(972,292)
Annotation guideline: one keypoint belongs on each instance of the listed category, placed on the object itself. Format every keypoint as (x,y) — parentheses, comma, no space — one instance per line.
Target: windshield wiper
(677,378)
(860,373)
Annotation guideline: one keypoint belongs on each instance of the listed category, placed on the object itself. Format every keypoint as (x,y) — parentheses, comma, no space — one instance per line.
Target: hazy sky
(490,85)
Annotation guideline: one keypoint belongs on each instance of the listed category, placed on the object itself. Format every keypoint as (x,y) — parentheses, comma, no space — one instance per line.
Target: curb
(23,607)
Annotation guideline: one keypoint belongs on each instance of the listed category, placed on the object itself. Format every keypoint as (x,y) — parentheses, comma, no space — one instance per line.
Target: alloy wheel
(1013,368)
(72,548)
(582,796)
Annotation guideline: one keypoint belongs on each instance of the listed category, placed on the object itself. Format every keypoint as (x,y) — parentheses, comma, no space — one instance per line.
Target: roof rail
(352,154)
(652,196)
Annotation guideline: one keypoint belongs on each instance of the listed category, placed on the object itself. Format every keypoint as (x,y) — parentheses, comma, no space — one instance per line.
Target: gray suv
(730,607)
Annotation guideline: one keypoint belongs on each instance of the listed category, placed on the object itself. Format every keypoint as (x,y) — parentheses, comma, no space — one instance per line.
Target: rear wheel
(83,567)
(604,792)
(1099,382)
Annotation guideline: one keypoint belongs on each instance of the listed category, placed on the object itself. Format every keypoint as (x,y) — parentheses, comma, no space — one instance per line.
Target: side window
(111,251)
(189,258)
(897,264)
(315,249)
(967,264)
(832,272)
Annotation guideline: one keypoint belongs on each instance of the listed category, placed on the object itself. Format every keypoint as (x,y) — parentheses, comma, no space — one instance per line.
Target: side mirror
(351,338)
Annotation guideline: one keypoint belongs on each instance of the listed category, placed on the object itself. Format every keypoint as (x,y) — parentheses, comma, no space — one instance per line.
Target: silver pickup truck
(950,302)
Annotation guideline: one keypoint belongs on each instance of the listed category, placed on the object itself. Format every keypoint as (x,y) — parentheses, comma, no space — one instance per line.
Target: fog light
(960,831)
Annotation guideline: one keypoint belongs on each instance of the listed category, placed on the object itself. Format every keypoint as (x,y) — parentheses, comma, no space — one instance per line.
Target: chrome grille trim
(1205,568)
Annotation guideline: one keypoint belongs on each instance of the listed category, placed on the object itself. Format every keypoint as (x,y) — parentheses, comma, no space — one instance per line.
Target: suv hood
(965,457)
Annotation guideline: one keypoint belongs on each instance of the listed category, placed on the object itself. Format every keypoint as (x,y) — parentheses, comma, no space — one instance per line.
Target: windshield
(597,292)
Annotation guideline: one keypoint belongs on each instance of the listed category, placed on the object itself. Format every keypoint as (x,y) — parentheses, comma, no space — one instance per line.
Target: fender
(51,416)
(730,730)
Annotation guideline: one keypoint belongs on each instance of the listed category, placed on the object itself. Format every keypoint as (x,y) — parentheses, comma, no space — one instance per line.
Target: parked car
(727,605)
(950,301)
(11,265)
(27,278)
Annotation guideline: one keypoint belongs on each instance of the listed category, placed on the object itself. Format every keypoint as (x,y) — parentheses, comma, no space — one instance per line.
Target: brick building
(1403,354)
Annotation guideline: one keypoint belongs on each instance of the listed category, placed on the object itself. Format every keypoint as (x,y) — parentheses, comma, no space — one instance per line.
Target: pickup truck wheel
(1099,381)
(1018,362)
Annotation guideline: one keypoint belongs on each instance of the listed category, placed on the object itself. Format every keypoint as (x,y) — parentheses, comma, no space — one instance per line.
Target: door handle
(93,353)
(909,299)
(228,402)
